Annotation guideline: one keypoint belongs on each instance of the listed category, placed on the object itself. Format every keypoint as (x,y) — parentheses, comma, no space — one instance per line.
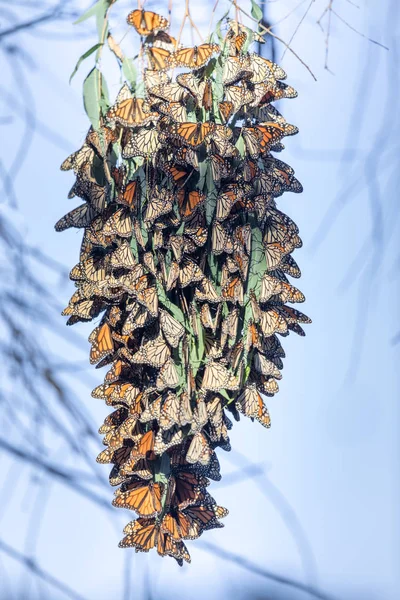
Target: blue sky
(325,509)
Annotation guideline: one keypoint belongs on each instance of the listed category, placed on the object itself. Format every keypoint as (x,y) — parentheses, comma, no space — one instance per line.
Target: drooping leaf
(129,70)
(95,96)
(83,57)
(256,11)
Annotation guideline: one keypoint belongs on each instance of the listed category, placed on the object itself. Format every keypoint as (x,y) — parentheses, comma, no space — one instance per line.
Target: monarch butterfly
(143,143)
(263,68)
(180,175)
(113,420)
(288,265)
(217,377)
(271,286)
(188,203)
(174,110)
(220,141)
(115,372)
(260,138)
(207,319)
(199,450)
(220,168)
(195,57)
(172,329)
(291,315)
(169,92)
(155,78)
(130,111)
(188,488)
(152,352)
(206,291)
(160,203)
(119,223)
(94,268)
(123,257)
(185,409)
(220,239)
(168,376)
(179,463)
(167,438)
(226,110)
(200,89)
(77,159)
(129,194)
(189,273)
(236,37)
(143,499)
(265,366)
(79,217)
(233,291)
(160,59)
(250,403)
(189,527)
(187,156)
(152,410)
(162,39)
(146,22)
(82,311)
(238,96)
(230,194)
(101,139)
(170,411)
(192,134)
(145,534)
(236,68)
(272,322)
(217,429)
(149,299)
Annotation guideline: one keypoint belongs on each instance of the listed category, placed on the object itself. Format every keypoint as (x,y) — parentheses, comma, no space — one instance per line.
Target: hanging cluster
(186,256)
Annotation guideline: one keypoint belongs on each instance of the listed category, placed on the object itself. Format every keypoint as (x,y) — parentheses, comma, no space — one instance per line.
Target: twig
(30,564)
(268,31)
(248,565)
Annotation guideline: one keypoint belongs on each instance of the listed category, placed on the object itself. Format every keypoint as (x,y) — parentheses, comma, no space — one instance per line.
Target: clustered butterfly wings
(186,262)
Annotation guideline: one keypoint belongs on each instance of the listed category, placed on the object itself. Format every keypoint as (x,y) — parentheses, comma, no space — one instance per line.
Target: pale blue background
(325,511)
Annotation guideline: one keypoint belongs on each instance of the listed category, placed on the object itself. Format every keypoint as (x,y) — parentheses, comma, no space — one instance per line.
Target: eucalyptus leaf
(129,70)
(166,302)
(256,11)
(95,96)
(240,145)
(83,57)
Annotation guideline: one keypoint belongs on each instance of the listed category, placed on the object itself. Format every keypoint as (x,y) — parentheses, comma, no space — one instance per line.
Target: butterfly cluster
(185,259)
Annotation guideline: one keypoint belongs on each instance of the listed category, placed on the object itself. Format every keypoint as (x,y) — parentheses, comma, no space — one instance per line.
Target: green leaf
(212,193)
(140,90)
(83,57)
(95,96)
(258,262)
(99,8)
(134,248)
(240,145)
(218,26)
(166,302)
(129,70)
(256,11)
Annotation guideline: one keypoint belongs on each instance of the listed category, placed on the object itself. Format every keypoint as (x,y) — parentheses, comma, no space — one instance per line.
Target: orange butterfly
(131,112)
(195,57)
(145,534)
(160,59)
(102,343)
(190,202)
(143,499)
(192,134)
(146,22)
